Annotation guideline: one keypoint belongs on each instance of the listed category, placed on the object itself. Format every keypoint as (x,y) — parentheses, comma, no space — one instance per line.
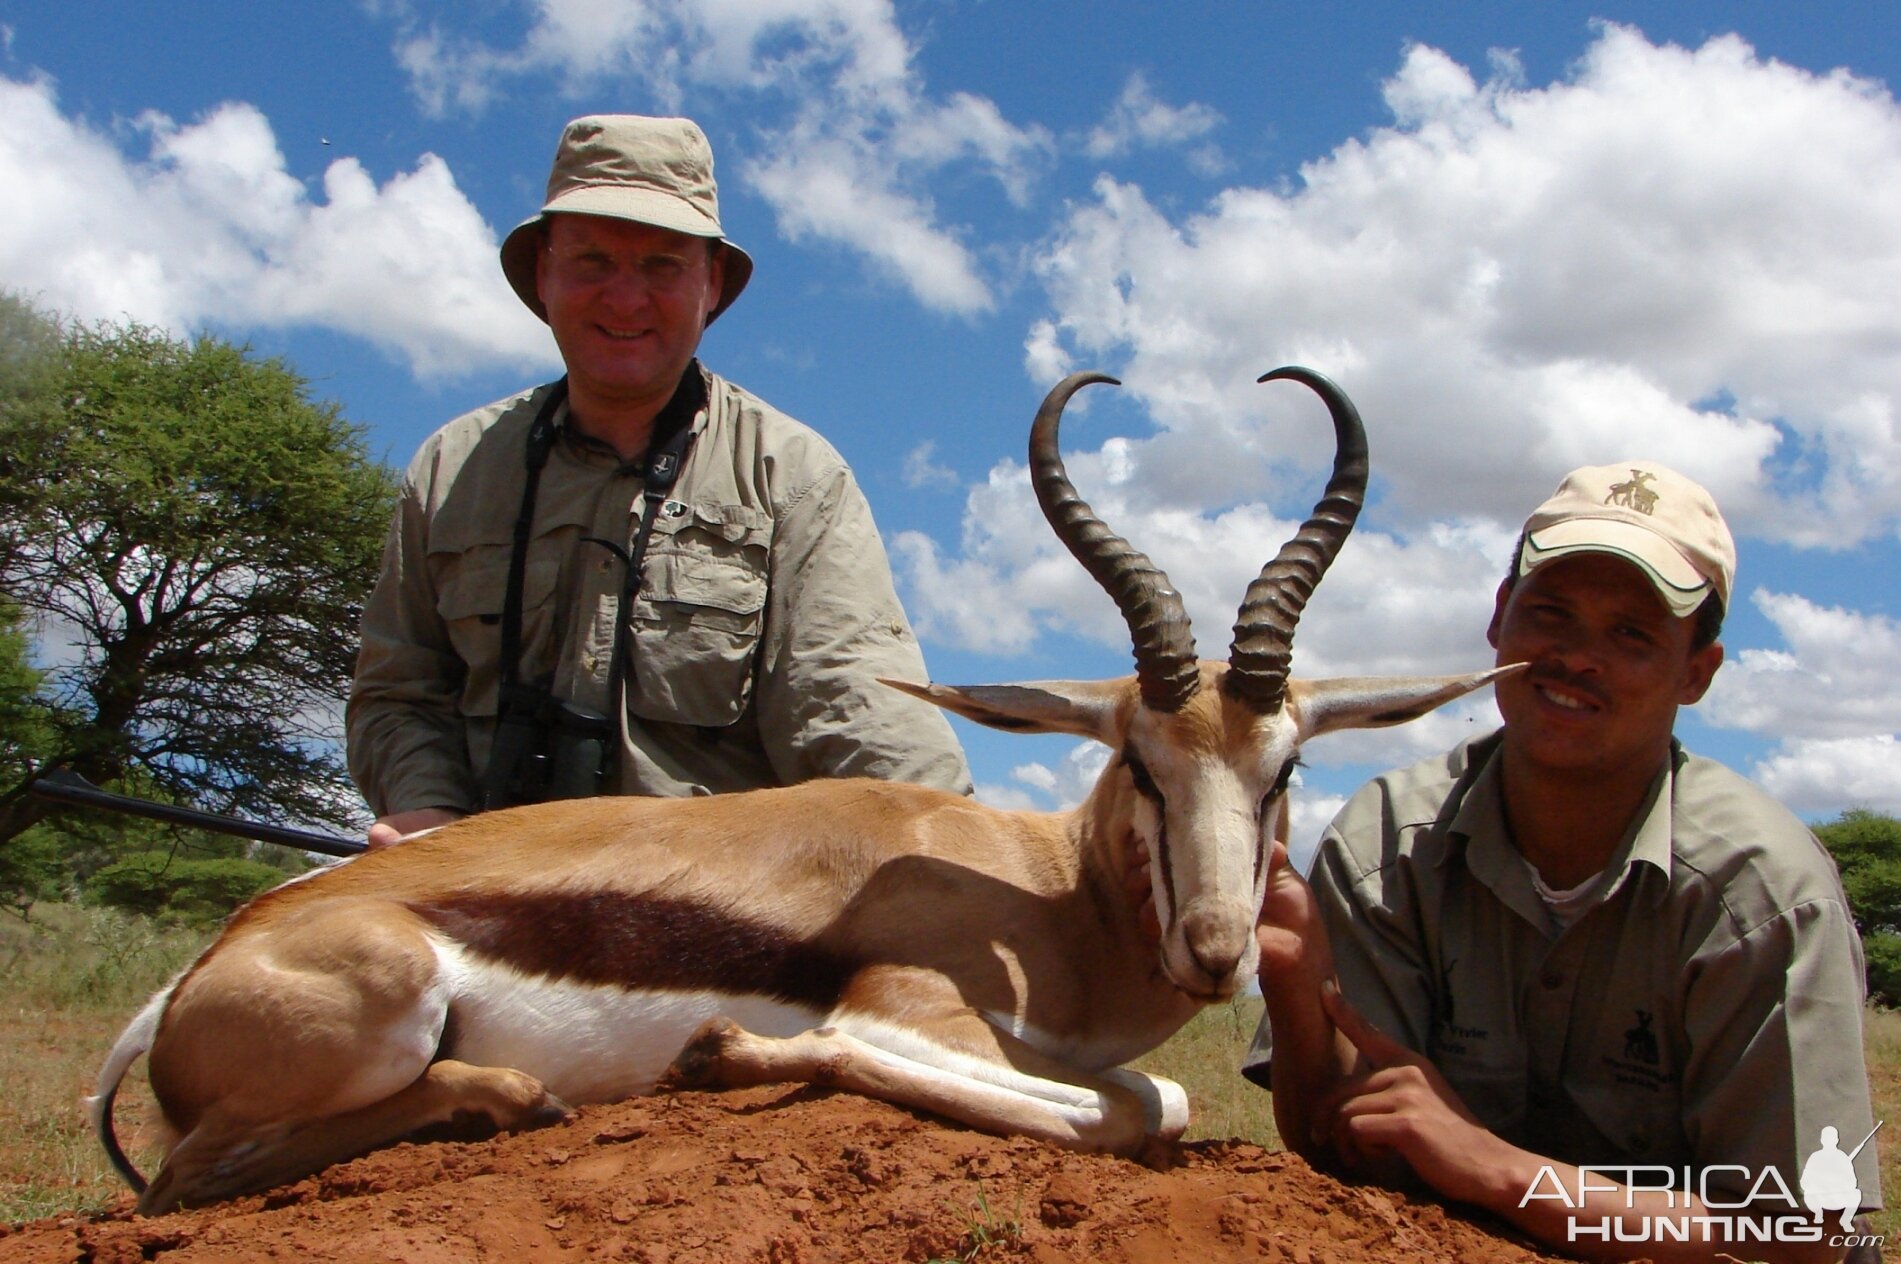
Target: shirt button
(1552,980)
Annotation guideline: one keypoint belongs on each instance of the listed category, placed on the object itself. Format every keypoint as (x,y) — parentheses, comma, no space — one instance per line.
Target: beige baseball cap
(1645,513)
(655,171)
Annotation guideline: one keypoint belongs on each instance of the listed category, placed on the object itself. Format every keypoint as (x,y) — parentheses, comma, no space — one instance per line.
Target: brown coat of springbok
(901,942)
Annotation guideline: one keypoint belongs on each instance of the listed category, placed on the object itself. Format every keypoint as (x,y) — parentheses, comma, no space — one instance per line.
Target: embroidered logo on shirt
(1640,1043)
(1453,1038)
(1642,1064)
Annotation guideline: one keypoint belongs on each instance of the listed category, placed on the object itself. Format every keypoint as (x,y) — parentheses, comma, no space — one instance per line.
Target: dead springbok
(901,942)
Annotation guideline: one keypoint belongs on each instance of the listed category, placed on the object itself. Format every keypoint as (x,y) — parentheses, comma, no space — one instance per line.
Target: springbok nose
(1216,938)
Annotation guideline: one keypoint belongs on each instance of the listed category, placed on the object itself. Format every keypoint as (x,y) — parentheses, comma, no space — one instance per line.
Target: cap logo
(1633,494)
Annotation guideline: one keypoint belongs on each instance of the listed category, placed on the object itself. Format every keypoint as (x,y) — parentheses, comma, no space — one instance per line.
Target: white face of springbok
(1204,749)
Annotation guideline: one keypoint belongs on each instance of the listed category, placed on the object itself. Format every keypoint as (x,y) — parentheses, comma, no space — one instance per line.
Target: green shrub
(207,890)
(1883,951)
(31,870)
(196,892)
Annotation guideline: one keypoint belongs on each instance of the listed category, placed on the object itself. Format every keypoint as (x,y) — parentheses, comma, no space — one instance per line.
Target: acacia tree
(193,539)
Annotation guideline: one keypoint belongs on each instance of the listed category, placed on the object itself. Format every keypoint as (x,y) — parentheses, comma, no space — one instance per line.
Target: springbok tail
(133,1041)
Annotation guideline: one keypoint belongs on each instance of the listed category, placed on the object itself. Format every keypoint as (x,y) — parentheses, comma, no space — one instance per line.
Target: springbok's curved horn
(1158,623)
(1263,645)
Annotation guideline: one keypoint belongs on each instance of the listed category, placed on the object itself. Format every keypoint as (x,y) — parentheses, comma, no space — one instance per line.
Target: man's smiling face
(627,303)
(1610,665)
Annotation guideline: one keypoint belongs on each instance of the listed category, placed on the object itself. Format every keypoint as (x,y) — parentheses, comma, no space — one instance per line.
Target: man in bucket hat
(639,579)
(1571,943)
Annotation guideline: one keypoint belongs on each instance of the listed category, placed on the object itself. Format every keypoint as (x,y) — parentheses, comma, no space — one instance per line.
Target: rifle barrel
(67,786)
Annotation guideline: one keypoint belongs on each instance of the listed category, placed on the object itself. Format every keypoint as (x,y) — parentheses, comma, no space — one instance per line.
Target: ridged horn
(1158,623)
(1262,652)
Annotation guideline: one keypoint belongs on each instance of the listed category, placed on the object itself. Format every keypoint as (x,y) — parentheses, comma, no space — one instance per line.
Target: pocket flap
(697,580)
(478,584)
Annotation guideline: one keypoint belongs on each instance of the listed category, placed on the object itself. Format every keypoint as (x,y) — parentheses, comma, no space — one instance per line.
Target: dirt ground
(784,1175)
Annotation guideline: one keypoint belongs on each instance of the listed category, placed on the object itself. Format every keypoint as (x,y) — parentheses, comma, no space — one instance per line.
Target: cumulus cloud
(860,141)
(1515,280)
(205,226)
(1511,281)
(1398,605)
(1039,787)
(1837,678)
(922,469)
(1138,120)
(1826,776)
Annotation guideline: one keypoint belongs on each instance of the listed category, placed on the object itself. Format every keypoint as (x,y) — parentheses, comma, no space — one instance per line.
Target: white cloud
(841,191)
(209,228)
(1042,788)
(1308,815)
(921,468)
(1838,679)
(1512,281)
(1389,604)
(1138,120)
(847,137)
(1822,777)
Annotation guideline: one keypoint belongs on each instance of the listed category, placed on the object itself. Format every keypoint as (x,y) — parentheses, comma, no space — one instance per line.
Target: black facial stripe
(1168,870)
(1146,787)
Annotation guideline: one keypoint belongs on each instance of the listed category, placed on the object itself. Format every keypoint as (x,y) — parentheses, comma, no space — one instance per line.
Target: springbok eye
(1280,785)
(1139,774)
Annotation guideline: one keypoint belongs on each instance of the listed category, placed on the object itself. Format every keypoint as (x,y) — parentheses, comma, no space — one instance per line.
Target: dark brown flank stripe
(632,941)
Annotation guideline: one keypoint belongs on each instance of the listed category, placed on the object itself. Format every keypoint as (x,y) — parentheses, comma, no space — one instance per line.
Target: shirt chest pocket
(472,589)
(697,622)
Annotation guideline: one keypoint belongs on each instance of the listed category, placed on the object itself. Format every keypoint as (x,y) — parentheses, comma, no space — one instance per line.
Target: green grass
(987,1233)
(69,980)
(1881,1035)
(1205,1058)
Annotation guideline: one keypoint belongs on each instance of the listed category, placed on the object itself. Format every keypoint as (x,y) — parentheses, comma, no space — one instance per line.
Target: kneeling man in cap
(1570,972)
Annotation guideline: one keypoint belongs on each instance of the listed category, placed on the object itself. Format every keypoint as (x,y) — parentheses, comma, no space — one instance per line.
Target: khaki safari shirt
(1706,1011)
(765,615)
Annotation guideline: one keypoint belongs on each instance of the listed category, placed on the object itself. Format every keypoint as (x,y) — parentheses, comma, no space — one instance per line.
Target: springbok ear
(1085,708)
(1371,702)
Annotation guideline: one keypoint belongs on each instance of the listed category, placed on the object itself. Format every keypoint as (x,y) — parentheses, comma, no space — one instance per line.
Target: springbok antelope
(897,941)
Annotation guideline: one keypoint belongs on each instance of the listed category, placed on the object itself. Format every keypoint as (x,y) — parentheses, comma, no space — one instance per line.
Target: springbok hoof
(550,1112)
(697,1065)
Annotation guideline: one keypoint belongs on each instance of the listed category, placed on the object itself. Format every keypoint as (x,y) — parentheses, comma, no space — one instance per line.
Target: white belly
(586,1042)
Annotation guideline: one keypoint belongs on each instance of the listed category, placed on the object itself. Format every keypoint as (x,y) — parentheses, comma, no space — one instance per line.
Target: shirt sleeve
(1773,1020)
(834,625)
(405,733)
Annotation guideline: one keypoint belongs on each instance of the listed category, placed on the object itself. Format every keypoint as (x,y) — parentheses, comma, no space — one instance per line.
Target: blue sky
(1523,236)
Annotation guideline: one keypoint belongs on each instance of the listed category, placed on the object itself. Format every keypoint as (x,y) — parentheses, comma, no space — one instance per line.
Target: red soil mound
(787,1176)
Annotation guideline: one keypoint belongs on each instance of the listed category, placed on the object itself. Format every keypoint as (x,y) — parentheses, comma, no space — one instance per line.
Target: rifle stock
(66,786)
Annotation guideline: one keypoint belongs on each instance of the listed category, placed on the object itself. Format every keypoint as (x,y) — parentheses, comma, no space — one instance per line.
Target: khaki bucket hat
(655,171)
(1644,513)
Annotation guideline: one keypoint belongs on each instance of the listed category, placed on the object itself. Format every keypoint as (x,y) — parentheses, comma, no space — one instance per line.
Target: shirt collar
(687,407)
(1480,835)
